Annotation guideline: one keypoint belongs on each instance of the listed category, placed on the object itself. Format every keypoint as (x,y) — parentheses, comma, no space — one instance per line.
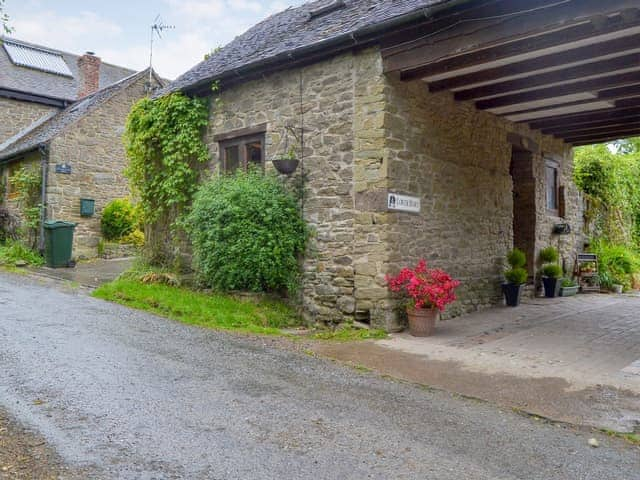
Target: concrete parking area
(573,359)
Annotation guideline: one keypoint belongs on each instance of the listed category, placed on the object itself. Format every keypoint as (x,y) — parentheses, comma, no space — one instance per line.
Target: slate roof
(45,129)
(294,29)
(38,82)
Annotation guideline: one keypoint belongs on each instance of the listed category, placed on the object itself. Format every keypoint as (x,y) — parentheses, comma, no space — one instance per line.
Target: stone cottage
(36,80)
(440,129)
(80,154)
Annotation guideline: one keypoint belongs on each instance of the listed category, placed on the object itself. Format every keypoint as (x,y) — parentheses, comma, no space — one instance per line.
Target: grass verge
(13,252)
(159,292)
(211,310)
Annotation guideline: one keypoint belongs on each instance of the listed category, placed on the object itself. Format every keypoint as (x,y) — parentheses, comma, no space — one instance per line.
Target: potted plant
(516,277)
(428,291)
(551,272)
(568,287)
(287,162)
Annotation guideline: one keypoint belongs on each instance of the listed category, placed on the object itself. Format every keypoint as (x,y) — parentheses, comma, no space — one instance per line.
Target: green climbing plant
(164,145)
(26,181)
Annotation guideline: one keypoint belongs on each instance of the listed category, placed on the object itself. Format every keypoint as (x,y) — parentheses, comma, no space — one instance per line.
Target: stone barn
(440,129)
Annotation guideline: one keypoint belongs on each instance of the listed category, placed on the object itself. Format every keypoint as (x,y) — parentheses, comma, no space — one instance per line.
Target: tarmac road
(124,394)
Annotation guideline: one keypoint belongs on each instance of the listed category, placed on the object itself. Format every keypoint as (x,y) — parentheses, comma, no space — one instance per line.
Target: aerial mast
(157,28)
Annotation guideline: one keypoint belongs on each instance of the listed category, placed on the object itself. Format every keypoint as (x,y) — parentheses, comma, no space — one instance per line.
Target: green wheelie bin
(58,243)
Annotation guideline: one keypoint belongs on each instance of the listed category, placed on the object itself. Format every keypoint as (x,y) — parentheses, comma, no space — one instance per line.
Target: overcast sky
(118,30)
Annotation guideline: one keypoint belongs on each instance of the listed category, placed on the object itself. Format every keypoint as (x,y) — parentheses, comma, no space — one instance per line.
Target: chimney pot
(89,70)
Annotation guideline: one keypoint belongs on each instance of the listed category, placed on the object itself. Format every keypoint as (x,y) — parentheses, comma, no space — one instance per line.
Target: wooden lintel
(240,132)
(520,141)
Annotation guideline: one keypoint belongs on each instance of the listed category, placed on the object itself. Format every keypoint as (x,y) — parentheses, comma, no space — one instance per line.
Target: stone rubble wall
(93,148)
(457,159)
(16,115)
(329,91)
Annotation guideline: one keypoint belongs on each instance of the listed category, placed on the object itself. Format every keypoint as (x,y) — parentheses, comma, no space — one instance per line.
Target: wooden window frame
(241,139)
(555,165)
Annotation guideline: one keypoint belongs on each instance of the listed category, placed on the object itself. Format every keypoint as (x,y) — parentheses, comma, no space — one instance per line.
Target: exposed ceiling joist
(578,132)
(572,127)
(592,85)
(586,117)
(608,66)
(605,136)
(576,107)
(613,138)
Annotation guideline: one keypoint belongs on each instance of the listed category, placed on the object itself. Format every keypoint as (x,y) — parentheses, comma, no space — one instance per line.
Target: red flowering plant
(426,287)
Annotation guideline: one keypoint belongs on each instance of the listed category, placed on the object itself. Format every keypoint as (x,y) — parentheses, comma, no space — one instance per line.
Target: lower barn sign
(403,203)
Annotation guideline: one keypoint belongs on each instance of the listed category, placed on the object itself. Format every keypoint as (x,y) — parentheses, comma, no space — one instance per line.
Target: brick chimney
(89,70)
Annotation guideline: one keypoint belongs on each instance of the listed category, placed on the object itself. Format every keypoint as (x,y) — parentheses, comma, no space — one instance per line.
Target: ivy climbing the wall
(163,141)
(26,183)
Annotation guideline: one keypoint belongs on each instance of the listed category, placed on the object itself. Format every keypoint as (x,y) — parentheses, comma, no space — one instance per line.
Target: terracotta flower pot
(422,321)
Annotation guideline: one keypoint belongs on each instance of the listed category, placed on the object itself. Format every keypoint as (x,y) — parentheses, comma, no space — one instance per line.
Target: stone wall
(367,134)
(16,115)
(93,148)
(457,160)
(331,92)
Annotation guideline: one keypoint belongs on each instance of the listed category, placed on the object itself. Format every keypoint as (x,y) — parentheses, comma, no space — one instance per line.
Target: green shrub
(552,270)
(247,233)
(516,258)
(549,255)
(568,282)
(517,275)
(617,263)
(118,219)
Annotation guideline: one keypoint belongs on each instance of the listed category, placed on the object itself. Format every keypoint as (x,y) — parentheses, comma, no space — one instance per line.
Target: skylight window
(36,58)
(330,7)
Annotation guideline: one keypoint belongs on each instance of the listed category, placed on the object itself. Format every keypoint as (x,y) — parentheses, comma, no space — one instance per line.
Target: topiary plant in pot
(516,277)
(551,274)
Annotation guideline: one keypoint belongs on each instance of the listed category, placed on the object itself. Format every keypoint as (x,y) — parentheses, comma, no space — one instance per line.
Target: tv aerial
(157,28)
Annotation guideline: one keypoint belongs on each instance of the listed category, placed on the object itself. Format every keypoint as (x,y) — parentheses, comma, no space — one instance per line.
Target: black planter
(286,165)
(551,286)
(512,293)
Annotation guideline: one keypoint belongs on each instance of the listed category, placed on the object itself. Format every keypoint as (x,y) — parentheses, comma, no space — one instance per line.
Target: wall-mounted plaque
(63,168)
(403,203)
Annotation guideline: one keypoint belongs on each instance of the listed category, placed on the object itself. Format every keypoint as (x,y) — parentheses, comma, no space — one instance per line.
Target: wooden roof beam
(557,76)
(613,133)
(584,117)
(570,126)
(588,54)
(595,84)
(596,130)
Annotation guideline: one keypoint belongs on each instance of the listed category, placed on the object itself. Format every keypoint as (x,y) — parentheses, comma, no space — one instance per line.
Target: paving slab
(88,273)
(572,359)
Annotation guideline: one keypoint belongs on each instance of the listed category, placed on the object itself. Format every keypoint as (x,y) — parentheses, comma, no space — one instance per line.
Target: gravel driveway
(130,395)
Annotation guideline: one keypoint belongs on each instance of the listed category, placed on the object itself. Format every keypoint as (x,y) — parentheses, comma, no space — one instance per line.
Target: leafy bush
(14,251)
(549,255)
(517,275)
(136,237)
(552,270)
(516,258)
(617,263)
(247,233)
(118,219)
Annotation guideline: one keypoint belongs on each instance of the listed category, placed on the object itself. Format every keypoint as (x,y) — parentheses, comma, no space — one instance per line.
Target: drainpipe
(44,165)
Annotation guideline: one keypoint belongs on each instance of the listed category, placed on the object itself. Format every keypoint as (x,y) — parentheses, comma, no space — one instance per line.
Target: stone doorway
(524,205)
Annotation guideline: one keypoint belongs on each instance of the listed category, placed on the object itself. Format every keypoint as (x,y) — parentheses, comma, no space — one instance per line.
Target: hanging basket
(286,166)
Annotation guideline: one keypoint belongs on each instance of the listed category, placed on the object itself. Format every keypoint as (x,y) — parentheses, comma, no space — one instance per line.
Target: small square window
(242,152)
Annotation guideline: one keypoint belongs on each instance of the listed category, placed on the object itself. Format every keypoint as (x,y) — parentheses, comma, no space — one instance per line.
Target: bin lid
(53,224)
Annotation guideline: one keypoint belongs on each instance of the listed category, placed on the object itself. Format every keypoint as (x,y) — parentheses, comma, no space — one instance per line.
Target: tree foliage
(119,218)
(163,140)
(247,233)
(26,181)
(609,176)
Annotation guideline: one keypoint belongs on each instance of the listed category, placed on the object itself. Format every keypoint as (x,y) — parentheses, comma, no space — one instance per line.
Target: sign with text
(63,168)
(403,203)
